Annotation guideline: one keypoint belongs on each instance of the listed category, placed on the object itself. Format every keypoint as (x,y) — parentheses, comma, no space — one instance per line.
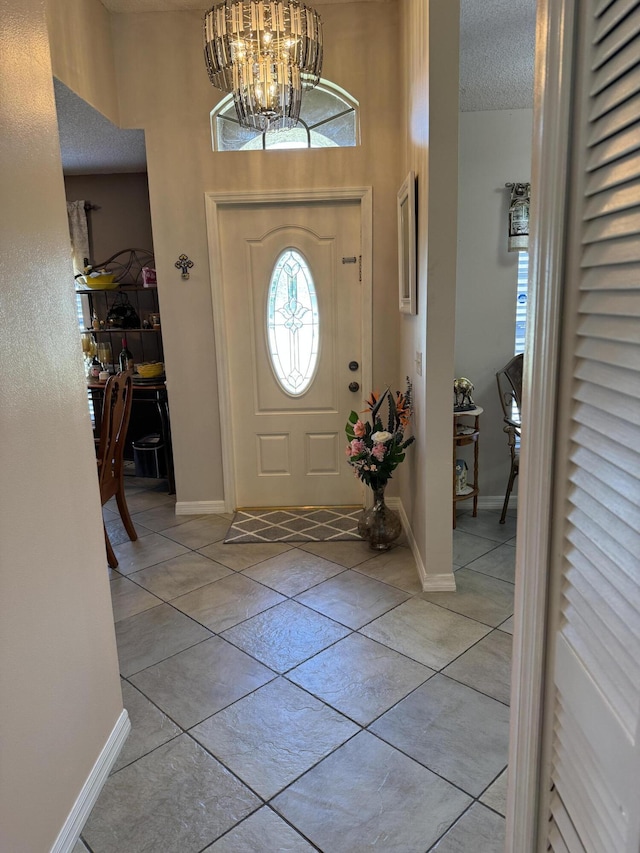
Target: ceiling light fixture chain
(267,53)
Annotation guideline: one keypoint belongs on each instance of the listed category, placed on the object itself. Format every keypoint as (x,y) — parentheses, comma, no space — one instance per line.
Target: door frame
(550,164)
(214,204)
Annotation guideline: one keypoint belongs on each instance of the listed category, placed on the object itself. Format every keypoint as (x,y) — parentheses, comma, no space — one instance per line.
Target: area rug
(323,524)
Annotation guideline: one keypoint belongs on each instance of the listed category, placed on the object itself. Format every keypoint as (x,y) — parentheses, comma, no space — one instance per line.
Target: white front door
(293,307)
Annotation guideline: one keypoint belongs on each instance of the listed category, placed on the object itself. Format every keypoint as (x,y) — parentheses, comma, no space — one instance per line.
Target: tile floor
(305,698)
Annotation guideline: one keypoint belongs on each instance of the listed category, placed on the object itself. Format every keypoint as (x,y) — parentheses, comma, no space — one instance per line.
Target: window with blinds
(521,301)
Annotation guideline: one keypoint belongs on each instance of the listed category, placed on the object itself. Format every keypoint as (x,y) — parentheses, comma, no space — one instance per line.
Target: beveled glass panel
(293,323)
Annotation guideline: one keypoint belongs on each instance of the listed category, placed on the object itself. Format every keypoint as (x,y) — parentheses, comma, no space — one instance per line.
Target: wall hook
(183,263)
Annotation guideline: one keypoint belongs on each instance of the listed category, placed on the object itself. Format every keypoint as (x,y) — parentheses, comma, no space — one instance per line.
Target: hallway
(305,697)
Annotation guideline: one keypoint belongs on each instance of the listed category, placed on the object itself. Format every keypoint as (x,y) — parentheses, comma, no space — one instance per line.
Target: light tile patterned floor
(305,697)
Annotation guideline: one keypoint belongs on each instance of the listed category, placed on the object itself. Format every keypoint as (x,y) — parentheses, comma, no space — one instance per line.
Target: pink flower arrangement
(373,451)
(355,447)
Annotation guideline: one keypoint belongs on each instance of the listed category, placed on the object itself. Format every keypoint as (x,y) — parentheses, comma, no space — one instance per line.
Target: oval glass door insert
(293,323)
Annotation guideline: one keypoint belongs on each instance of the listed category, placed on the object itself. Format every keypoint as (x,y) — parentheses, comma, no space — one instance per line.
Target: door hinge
(360,268)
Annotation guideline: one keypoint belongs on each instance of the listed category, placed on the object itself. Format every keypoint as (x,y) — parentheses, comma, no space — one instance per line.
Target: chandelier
(267,52)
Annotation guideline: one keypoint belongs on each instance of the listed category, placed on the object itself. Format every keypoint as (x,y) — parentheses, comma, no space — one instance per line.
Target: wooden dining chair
(510,389)
(116,411)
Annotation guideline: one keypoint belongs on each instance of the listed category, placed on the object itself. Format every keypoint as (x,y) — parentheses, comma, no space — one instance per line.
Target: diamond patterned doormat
(321,524)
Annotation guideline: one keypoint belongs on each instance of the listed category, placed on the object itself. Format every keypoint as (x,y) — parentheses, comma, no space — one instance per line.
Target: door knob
(354,386)
(353,365)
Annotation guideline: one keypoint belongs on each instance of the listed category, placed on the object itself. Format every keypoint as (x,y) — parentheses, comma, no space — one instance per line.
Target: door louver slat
(562,834)
(624,115)
(626,382)
(596,556)
(612,149)
(556,844)
(601,7)
(625,562)
(617,66)
(608,485)
(613,227)
(620,329)
(620,172)
(615,94)
(600,443)
(624,250)
(621,197)
(615,39)
(604,518)
(624,304)
(595,408)
(608,20)
(620,354)
(592,584)
(625,277)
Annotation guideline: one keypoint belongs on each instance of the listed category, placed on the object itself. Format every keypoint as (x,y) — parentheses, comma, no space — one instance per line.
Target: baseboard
(445,582)
(70,832)
(430,583)
(200,507)
(492,502)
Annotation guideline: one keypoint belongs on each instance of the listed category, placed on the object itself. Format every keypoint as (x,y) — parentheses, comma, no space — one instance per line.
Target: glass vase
(379,525)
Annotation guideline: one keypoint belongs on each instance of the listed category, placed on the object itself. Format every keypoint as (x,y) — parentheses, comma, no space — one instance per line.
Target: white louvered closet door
(591,725)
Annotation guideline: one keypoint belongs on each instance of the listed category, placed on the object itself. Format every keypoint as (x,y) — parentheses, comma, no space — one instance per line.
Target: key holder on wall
(183,263)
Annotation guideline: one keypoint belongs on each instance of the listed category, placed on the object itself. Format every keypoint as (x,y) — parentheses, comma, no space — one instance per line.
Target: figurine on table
(462,389)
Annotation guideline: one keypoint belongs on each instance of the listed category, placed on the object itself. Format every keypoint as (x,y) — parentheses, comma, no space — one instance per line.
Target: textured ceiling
(496,73)
(90,144)
(497,40)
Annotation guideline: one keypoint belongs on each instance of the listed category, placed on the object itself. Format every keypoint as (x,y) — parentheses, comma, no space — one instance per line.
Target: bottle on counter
(95,369)
(125,358)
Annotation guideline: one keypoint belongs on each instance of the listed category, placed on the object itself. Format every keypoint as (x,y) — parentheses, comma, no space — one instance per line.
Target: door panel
(289,448)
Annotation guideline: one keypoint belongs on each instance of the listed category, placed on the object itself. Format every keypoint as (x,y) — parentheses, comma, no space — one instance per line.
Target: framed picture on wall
(407,245)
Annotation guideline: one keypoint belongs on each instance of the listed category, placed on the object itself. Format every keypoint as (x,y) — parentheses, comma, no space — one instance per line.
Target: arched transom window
(328,119)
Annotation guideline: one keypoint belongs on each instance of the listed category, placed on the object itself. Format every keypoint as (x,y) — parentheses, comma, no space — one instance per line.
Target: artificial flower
(376,449)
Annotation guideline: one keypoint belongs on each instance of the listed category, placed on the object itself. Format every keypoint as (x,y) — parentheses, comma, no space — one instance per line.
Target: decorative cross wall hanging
(183,263)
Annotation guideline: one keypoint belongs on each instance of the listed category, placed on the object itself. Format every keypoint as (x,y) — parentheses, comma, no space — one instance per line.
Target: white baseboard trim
(70,832)
(430,583)
(445,582)
(200,507)
(493,502)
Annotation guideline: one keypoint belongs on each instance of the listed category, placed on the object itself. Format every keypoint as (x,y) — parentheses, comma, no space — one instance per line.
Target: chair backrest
(116,411)
(509,380)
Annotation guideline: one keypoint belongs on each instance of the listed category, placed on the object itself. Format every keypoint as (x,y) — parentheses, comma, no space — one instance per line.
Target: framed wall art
(407,245)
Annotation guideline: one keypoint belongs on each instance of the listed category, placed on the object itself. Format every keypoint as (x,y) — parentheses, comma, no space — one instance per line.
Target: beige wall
(58,668)
(495,147)
(82,51)
(164,89)
(123,218)
(430,51)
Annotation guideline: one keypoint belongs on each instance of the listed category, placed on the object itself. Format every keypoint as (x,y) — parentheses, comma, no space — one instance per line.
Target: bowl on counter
(150,369)
(102,281)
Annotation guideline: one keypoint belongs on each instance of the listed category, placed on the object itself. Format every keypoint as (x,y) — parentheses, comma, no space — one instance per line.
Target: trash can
(148,457)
